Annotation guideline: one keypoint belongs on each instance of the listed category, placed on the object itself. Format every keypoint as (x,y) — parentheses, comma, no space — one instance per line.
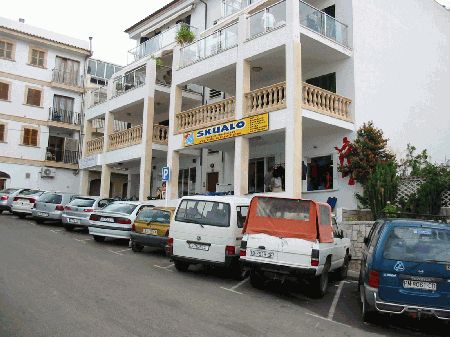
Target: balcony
(267,20)
(161,134)
(156,43)
(215,43)
(61,156)
(64,116)
(323,24)
(130,81)
(67,79)
(98,96)
(94,146)
(267,99)
(125,138)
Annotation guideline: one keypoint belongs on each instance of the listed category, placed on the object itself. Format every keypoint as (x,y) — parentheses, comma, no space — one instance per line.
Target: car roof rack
(414,216)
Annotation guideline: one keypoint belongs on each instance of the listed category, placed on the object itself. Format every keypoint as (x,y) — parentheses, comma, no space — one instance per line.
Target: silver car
(7,196)
(77,212)
(24,202)
(50,205)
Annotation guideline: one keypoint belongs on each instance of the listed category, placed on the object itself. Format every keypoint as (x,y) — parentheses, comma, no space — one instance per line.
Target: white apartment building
(267,86)
(41,94)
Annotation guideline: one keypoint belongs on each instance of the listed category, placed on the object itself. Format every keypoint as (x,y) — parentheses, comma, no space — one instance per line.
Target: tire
(368,314)
(39,221)
(21,216)
(68,228)
(1,211)
(320,283)
(98,238)
(257,280)
(136,247)
(341,273)
(181,266)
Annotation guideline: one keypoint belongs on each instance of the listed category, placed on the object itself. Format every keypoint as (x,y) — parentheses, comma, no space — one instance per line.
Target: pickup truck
(285,238)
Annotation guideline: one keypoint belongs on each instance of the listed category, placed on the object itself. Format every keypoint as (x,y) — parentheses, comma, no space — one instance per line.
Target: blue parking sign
(165,172)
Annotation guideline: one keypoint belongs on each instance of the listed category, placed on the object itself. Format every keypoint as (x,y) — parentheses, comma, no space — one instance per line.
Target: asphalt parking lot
(58,283)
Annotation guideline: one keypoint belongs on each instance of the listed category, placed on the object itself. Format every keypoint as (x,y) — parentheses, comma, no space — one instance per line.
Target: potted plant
(184,35)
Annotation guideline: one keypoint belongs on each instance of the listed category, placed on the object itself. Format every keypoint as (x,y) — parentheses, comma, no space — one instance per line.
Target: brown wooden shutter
(2,132)
(34,137)
(26,136)
(4,91)
(34,97)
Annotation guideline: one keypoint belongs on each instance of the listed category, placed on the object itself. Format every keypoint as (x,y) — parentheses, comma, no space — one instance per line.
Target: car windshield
(51,198)
(120,208)
(284,208)
(418,244)
(32,192)
(154,215)
(8,190)
(202,212)
(82,202)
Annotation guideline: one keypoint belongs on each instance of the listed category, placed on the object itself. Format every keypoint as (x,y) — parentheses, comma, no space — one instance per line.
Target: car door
(368,250)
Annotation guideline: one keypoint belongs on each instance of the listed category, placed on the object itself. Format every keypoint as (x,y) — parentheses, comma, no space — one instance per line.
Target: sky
(104,20)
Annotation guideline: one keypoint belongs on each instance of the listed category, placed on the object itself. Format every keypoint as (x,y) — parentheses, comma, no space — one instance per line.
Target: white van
(208,230)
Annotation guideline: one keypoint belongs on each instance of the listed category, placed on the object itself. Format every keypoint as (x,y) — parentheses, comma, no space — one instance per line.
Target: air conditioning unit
(47,172)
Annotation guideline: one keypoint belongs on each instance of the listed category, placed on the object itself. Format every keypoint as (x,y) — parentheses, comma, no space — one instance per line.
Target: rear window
(154,215)
(8,190)
(82,202)
(284,208)
(202,212)
(32,192)
(418,244)
(120,208)
(51,198)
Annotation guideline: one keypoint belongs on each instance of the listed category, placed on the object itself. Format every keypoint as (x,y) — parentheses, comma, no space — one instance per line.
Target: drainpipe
(206,12)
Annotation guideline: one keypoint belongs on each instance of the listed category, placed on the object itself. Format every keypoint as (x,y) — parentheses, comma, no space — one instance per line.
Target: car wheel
(341,273)
(136,247)
(39,221)
(1,211)
(320,283)
(181,266)
(21,216)
(367,312)
(69,228)
(98,238)
(257,280)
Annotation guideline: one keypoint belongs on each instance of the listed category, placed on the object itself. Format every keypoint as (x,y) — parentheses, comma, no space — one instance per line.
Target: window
(324,215)
(242,212)
(104,202)
(62,105)
(2,132)
(148,214)
(82,202)
(120,208)
(4,91)
(326,82)
(202,212)
(6,50)
(34,97)
(186,181)
(51,198)
(37,58)
(30,137)
(320,173)
(284,208)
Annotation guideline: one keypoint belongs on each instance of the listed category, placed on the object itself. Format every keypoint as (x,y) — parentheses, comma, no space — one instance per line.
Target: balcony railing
(125,138)
(322,23)
(94,146)
(230,7)
(62,156)
(161,134)
(210,45)
(129,81)
(156,43)
(69,78)
(268,19)
(266,99)
(64,116)
(98,96)
(206,115)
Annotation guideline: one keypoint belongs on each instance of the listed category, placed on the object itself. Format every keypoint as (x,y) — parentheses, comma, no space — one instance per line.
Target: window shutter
(26,137)
(34,97)
(2,132)
(34,137)
(4,91)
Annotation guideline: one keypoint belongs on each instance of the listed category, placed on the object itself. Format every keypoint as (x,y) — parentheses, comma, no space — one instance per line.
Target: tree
(413,163)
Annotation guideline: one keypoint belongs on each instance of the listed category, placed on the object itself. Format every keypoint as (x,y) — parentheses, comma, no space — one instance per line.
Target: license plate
(419,285)
(198,246)
(106,219)
(150,231)
(262,253)
(42,214)
(74,221)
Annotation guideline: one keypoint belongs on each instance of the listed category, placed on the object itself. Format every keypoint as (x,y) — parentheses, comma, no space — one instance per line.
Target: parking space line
(335,301)
(123,250)
(326,319)
(83,241)
(233,288)
(55,230)
(162,267)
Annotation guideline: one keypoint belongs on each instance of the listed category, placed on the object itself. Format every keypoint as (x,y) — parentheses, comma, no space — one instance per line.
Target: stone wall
(356,231)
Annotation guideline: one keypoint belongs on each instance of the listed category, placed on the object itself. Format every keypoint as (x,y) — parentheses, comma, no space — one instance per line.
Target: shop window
(320,173)
(264,175)
(30,137)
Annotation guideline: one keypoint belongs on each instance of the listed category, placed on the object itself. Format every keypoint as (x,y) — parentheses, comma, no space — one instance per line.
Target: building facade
(41,94)
(257,103)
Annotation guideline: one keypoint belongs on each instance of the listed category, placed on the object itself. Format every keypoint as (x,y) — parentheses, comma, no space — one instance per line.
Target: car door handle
(261,247)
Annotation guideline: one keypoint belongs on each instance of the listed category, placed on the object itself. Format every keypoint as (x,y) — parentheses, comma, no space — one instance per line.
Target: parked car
(50,205)
(77,212)
(115,220)
(293,238)
(24,202)
(208,230)
(151,228)
(405,269)
(7,196)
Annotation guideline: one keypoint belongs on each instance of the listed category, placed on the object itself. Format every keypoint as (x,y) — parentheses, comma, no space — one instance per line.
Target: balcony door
(55,149)
(63,109)
(258,169)
(68,70)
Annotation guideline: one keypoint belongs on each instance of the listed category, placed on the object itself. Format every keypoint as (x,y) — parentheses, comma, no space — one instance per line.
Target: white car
(115,220)
(293,238)
(24,203)
(208,230)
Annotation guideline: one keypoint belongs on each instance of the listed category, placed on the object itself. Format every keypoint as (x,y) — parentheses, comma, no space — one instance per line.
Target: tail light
(315,258)
(169,246)
(230,250)
(123,221)
(133,227)
(88,210)
(94,217)
(167,233)
(243,251)
(67,208)
(32,200)
(374,279)
(59,208)
(4,197)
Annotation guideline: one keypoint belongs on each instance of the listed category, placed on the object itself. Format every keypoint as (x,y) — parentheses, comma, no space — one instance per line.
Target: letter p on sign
(165,173)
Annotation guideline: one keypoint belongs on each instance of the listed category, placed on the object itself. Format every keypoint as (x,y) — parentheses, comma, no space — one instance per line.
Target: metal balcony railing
(64,116)
(62,156)
(98,96)
(69,78)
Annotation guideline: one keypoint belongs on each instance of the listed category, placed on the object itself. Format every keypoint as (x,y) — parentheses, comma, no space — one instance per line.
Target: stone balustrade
(266,99)
(161,134)
(205,115)
(125,138)
(94,146)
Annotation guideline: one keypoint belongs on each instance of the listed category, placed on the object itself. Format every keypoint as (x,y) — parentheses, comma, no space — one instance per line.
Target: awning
(4,175)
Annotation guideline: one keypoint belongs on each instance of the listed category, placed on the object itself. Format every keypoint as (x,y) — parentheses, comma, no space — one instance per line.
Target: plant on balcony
(159,62)
(184,35)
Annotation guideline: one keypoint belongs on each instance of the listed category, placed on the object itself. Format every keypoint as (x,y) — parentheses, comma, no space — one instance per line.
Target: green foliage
(390,210)
(184,35)
(368,150)
(413,163)
(159,62)
(380,188)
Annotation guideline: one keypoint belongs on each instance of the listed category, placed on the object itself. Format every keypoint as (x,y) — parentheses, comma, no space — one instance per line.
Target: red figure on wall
(344,151)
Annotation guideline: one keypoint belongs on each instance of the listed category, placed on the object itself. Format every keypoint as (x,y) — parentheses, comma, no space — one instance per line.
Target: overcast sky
(104,20)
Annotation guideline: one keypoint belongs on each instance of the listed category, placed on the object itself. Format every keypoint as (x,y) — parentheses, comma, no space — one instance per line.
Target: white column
(129,182)
(147,132)
(293,143)
(106,170)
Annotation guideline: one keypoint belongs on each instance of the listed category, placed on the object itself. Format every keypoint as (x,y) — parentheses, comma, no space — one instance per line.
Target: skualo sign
(232,129)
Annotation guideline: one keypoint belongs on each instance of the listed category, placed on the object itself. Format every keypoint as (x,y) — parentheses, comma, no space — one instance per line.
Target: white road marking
(112,251)
(326,319)
(123,250)
(165,268)
(335,301)
(233,288)
(83,241)
(55,230)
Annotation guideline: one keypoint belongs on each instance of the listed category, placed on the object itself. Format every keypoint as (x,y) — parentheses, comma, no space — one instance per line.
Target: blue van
(405,269)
